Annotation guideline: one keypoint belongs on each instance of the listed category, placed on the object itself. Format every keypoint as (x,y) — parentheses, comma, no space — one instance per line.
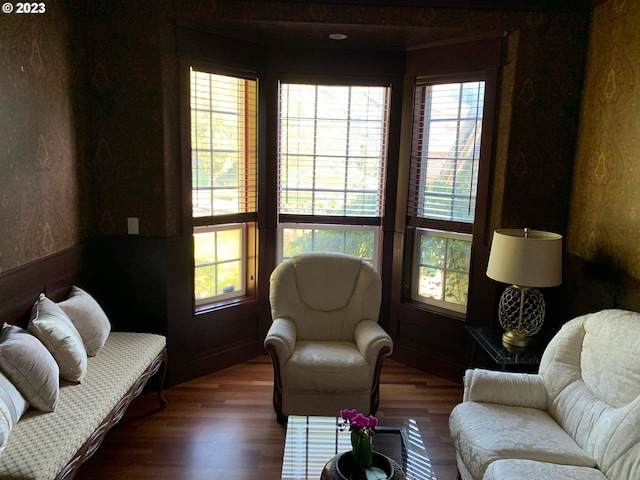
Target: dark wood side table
(506,356)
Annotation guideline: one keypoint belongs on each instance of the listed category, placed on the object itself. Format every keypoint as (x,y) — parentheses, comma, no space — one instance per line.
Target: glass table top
(311,442)
(491,341)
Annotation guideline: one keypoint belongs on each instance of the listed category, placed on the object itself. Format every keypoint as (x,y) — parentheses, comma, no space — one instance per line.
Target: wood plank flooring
(222,426)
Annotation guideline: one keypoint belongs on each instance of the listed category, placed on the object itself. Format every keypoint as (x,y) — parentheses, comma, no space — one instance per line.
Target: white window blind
(445,151)
(223,144)
(332,149)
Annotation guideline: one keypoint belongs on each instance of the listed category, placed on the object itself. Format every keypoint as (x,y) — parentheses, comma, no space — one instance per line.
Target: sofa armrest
(282,337)
(371,339)
(505,388)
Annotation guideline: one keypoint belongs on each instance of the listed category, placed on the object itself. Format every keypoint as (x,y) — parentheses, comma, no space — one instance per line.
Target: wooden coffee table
(311,442)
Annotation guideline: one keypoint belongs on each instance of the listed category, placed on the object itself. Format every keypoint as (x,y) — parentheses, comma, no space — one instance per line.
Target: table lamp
(525,259)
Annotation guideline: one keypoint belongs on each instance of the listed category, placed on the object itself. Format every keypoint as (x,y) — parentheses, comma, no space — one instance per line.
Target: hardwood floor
(222,426)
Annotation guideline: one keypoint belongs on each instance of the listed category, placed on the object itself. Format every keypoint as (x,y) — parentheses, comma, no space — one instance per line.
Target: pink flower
(348,415)
(358,422)
(373,421)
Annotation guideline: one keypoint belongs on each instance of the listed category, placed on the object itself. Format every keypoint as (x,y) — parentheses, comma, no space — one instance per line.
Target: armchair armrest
(282,337)
(371,339)
(505,388)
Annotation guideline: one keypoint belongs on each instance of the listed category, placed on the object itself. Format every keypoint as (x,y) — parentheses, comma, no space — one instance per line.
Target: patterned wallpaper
(39,211)
(89,98)
(127,159)
(604,224)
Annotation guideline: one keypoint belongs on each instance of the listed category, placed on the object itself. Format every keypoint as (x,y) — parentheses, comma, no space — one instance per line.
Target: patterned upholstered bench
(53,445)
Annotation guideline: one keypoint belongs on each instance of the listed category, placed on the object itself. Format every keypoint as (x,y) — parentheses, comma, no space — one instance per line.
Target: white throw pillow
(90,320)
(12,407)
(55,330)
(30,367)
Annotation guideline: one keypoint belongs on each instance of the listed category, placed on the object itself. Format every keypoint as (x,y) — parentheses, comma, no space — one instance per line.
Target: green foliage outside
(218,266)
(445,263)
(352,242)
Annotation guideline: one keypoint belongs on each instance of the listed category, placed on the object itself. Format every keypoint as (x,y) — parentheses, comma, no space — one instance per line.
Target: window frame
(346,222)
(415,296)
(242,291)
(248,219)
(479,226)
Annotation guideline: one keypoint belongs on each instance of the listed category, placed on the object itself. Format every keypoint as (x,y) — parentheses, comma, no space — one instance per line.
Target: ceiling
(316,35)
(268,28)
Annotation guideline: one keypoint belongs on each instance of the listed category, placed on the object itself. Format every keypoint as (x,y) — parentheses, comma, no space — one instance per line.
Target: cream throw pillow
(55,330)
(12,407)
(30,367)
(90,320)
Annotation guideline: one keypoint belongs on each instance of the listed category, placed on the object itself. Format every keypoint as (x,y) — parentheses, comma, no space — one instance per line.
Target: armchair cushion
(327,367)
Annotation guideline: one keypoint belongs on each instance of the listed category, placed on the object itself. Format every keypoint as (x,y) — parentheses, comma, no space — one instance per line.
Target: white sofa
(325,343)
(578,418)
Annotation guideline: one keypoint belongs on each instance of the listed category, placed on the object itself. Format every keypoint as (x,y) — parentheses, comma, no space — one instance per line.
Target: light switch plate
(133,225)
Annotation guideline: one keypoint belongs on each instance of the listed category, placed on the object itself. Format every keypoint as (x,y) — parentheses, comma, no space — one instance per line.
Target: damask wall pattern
(103,130)
(39,211)
(604,223)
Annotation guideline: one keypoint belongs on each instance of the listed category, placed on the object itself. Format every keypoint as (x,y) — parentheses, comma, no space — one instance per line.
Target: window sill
(436,310)
(223,304)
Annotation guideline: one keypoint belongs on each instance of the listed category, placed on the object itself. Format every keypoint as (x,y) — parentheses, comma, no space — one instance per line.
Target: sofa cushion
(88,318)
(30,367)
(12,407)
(56,331)
(532,470)
(486,432)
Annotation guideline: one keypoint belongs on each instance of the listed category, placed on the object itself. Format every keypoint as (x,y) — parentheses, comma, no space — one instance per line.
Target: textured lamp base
(521,314)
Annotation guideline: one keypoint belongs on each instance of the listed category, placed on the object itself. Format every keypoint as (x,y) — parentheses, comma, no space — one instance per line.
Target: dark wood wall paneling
(53,275)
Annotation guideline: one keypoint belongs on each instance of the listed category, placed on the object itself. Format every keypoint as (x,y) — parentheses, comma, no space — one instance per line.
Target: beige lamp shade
(526,258)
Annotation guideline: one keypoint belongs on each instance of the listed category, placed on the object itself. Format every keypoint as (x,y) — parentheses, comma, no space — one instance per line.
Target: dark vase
(348,470)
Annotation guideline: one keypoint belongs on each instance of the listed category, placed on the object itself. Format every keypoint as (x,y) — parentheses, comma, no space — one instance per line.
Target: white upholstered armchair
(325,343)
